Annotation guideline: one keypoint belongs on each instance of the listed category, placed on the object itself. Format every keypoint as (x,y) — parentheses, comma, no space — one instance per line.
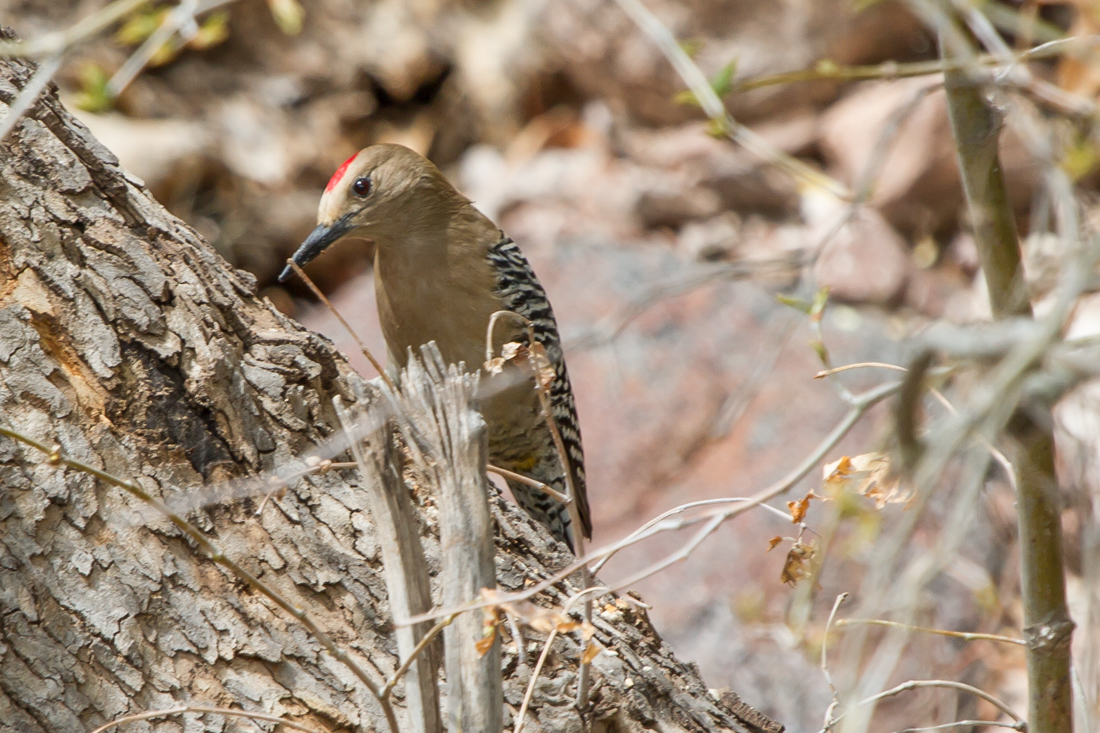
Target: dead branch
(406,570)
(438,399)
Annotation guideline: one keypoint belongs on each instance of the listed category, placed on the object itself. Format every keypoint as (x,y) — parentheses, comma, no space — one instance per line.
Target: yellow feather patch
(526,464)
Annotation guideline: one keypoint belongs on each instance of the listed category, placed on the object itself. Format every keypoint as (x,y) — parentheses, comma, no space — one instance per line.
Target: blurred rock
(930,289)
(794,133)
(865,260)
(712,239)
(254,145)
(1045,255)
(150,149)
(744,182)
(970,305)
(885,31)
(963,252)
(916,182)
(584,178)
(673,207)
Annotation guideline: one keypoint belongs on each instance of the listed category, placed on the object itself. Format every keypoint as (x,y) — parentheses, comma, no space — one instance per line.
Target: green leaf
(722,81)
(691,46)
(685,98)
(93,95)
(817,308)
(214,30)
(1080,158)
(140,25)
(796,303)
(718,127)
(288,15)
(819,348)
(167,52)
(827,67)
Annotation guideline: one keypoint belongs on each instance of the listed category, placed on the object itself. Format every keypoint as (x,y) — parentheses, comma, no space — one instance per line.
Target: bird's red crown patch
(339,173)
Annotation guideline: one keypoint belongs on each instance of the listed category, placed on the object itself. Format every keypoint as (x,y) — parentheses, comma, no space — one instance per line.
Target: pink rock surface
(917,185)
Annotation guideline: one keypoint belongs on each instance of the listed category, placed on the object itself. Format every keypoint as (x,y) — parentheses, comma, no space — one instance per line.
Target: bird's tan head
(384,193)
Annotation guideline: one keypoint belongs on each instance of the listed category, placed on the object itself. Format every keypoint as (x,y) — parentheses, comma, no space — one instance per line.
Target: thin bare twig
(862,403)
(527,695)
(29,94)
(332,309)
(321,466)
(860,365)
(534,677)
(824,71)
(179,17)
(859,406)
(512,475)
(58,42)
(203,710)
(517,637)
(54,457)
(998,455)
(825,660)
(967,723)
(610,328)
(738,402)
(417,650)
(967,635)
(825,642)
(1021,725)
(714,108)
(680,510)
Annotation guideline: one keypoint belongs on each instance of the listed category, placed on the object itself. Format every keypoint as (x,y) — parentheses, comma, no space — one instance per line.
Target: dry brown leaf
(798,508)
(773,542)
(512,351)
(532,360)
(492,595)
(485,643)
(543,368)
(556,622)
(797,565)
(490,620)
(869,475)
(535,617)
(1079,74)
(836,472)
(591,651)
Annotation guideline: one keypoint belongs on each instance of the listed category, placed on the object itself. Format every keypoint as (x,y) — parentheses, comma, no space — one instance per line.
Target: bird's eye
(361,186)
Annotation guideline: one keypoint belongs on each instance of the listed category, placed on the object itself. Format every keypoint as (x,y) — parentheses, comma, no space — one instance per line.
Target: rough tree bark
(128,342)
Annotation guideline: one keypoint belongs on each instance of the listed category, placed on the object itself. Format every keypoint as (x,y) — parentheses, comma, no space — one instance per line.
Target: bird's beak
(316,243)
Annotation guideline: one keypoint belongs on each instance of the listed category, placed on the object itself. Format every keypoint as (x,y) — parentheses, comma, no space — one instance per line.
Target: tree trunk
(127,342)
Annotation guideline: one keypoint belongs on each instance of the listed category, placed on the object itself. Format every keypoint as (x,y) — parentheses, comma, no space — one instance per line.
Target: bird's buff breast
(418,305)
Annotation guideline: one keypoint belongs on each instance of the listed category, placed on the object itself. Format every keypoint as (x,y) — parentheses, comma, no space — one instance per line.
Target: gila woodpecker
(442,268)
